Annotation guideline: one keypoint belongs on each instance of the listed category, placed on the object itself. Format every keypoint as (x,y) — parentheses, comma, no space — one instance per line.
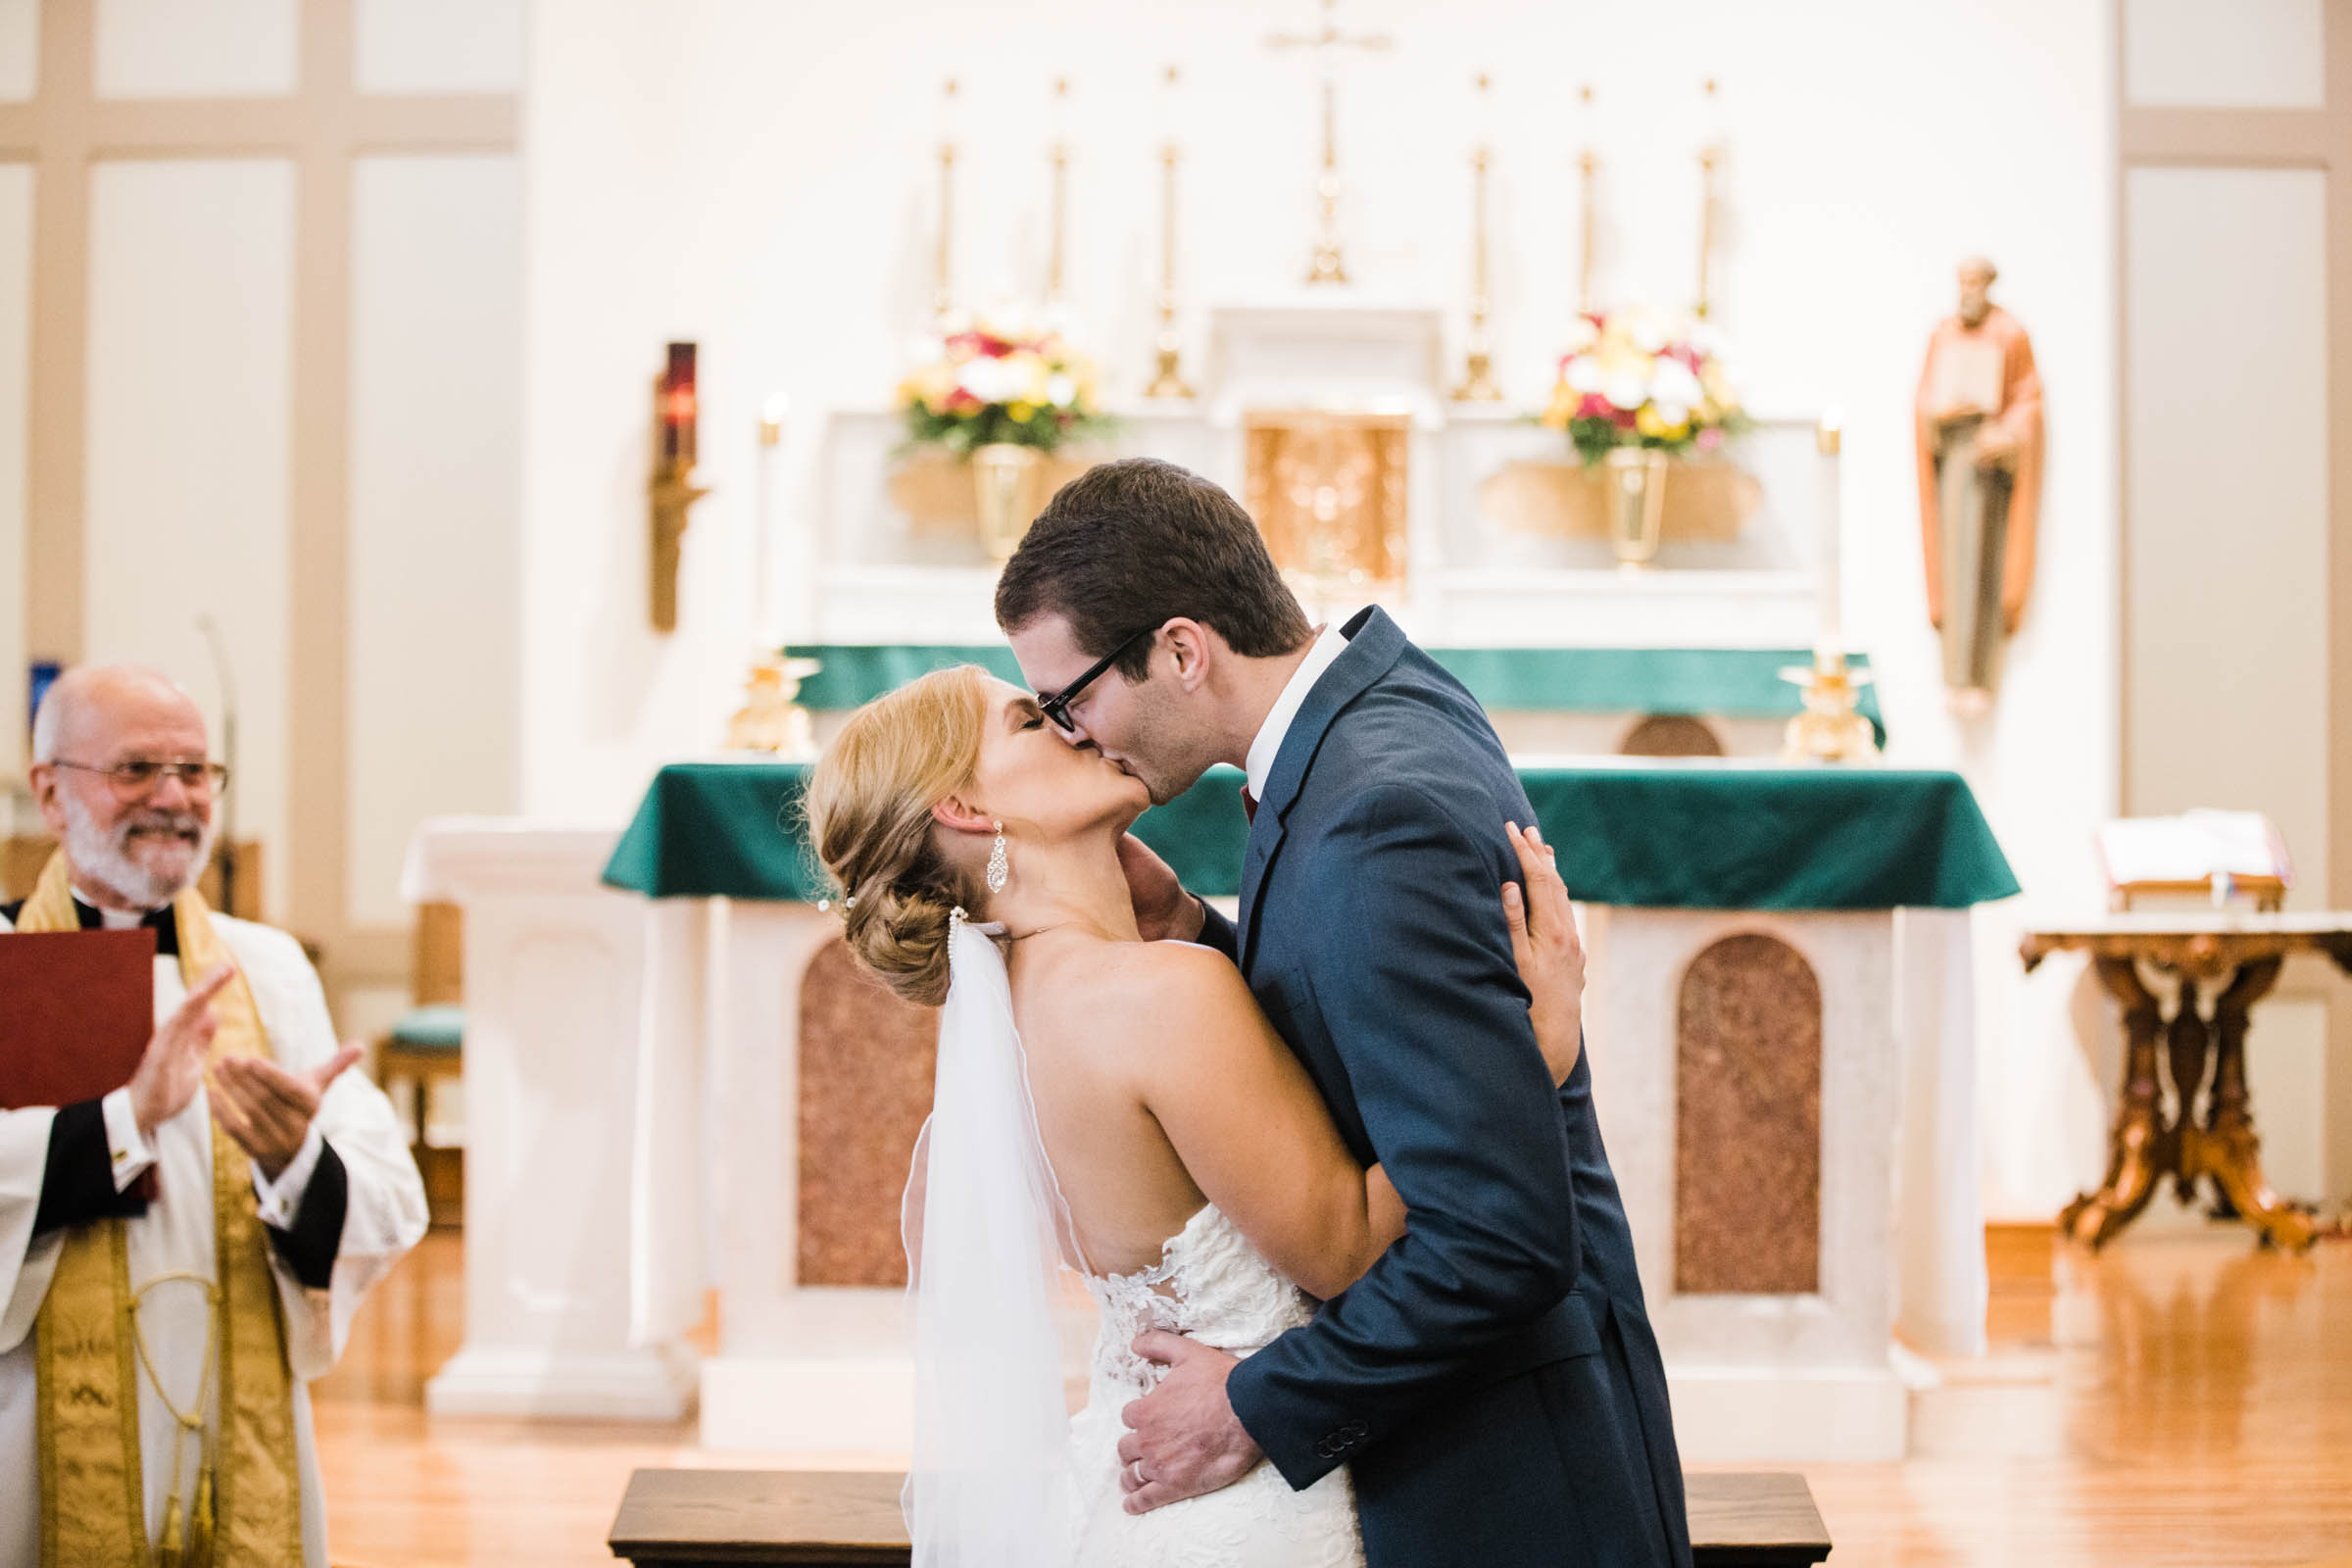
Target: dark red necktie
(1249,803)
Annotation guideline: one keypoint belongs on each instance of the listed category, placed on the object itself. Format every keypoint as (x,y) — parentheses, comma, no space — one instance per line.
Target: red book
(76,1010)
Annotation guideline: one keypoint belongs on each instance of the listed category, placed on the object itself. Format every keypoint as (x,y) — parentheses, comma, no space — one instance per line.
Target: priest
(179,1257)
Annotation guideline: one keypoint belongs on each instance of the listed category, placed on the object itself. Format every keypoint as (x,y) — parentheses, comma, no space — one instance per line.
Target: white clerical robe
(384,1215)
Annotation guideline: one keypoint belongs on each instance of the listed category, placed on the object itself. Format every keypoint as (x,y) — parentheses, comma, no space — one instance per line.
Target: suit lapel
(1374,642)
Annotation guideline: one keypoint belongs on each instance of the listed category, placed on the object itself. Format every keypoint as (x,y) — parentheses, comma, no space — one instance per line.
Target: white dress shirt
(1330,642)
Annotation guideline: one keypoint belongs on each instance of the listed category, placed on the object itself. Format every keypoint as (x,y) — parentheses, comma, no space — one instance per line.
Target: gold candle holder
(1478,367)
(672,491)
(1709,157)
(1587,168)
(1167,380)
(1058,155)
(943,298)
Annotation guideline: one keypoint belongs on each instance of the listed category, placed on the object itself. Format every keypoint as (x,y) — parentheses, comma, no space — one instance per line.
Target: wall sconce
(672,488)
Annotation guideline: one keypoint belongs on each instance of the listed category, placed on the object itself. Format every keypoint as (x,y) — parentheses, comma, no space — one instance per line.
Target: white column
(554,997)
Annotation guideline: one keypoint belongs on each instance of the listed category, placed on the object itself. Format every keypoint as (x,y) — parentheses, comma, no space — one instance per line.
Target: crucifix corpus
(1328,42)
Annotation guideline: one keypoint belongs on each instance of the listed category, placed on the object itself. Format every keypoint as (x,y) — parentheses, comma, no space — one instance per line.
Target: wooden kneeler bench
(850,1519)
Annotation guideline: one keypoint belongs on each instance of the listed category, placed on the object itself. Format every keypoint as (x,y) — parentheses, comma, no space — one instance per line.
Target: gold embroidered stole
(93,1507)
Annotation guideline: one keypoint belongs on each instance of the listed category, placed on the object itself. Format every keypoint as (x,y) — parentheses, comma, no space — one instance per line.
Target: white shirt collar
(1328,645)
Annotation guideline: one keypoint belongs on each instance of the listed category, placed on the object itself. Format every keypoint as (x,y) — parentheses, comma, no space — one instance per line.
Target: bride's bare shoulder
(1146,986)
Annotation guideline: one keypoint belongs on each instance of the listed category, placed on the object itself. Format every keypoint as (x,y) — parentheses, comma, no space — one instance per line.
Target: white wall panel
(2247,54)
(196,48)
(191,278)
(2226,435)
(438,45)
(16,361)
(435,425)
(20,49)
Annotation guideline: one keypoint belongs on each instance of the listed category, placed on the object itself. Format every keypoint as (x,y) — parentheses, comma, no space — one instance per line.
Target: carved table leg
(2137,1144)
(2188,1046)
(2226,1147)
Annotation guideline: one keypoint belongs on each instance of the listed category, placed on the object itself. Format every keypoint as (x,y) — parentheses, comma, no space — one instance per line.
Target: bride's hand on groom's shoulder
(1549,954)
(1163,911)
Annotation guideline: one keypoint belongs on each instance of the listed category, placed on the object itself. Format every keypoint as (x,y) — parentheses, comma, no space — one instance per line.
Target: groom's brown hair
(1128,545)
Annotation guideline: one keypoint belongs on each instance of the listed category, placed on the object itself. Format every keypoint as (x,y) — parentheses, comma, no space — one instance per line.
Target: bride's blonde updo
(868,804)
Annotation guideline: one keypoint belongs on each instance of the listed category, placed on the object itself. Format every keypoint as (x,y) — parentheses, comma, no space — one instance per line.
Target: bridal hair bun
(869,804)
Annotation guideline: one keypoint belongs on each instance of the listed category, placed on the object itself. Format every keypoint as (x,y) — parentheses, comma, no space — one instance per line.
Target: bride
(1111,1105)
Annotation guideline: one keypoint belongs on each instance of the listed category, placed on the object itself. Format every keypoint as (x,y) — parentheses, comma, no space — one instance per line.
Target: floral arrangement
(983,382)
(1637,378)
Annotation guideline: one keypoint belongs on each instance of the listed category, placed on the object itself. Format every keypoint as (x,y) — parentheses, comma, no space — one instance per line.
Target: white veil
(985,1227)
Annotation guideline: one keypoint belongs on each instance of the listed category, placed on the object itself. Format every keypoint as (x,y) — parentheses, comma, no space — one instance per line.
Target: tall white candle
(1827,441)
(774,511)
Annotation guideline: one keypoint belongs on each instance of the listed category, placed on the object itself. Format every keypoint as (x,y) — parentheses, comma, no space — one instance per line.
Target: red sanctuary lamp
(672,488)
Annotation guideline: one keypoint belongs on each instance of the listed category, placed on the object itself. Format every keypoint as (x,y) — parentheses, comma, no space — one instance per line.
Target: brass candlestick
(1831,728)
(1169,380)
(1709,157)
(942,297)
(1587,167)
(1059,157)
(1478,367)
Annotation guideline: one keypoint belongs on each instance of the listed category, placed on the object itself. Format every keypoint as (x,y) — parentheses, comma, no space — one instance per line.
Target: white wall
(16,370)
(760,177)
(190,368)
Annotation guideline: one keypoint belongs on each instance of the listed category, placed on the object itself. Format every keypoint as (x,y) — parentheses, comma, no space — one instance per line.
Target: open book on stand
(2198,854)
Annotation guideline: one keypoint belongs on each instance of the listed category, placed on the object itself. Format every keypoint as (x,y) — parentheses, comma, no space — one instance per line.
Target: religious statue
(1980,481)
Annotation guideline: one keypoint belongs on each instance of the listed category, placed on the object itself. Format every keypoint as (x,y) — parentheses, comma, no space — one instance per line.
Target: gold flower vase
(1007,483)
(1637,483)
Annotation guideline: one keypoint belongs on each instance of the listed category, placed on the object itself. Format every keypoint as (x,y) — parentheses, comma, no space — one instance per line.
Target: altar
(1780,1025)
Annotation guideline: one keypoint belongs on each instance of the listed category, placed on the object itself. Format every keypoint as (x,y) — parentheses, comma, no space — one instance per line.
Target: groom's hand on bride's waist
(1163,911)
(1183,1437)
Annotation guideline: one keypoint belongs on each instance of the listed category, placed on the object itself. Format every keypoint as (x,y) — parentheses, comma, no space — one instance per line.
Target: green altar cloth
(1678,835)
(1728,682)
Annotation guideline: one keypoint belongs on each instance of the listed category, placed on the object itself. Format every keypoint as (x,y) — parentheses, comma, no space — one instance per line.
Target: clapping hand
(173,1066)
(268,1109)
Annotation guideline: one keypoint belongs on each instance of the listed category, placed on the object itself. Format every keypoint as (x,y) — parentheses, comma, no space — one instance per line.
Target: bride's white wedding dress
(1211,1284)
(1001,1476)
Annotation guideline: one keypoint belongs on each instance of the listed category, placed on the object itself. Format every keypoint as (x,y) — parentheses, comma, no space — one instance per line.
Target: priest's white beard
(105,858)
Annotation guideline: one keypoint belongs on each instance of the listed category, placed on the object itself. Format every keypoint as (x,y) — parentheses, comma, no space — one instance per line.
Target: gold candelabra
(1710,157)
(1478,367)
(1831,728)
(1588,167)
(942,296)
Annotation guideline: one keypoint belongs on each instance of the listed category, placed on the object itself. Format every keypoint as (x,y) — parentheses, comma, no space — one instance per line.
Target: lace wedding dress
(1211,1284)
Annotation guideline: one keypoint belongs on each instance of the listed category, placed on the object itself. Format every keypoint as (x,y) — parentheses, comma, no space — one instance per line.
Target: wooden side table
(2240,954)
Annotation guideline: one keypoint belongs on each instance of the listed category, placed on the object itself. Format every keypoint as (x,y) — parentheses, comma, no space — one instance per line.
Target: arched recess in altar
(866,1065)
(1747,1121)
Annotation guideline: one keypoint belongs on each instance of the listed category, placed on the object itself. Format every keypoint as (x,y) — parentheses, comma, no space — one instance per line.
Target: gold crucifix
(1327,42)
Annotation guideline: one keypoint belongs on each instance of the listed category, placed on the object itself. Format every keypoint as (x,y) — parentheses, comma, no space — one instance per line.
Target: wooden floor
(2191,1405)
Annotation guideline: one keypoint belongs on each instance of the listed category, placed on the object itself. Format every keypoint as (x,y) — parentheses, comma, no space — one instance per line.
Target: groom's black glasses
(1057,708)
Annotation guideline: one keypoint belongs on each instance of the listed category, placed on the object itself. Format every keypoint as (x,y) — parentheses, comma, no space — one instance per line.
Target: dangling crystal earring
(998,873)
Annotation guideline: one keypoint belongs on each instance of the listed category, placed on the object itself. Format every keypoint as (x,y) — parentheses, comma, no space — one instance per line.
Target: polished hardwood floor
(2186,1401)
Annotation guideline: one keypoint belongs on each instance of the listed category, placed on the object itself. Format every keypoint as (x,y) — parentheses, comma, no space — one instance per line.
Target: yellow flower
(1022,412)
(1650,424)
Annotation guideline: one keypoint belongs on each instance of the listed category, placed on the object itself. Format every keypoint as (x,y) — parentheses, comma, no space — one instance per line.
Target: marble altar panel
(866,1065)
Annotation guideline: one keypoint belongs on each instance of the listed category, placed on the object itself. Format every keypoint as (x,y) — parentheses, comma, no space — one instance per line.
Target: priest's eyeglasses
(1057,708)
(141,777)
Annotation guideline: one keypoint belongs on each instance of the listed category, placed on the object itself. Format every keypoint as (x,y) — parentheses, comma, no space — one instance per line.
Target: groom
(1492,1380)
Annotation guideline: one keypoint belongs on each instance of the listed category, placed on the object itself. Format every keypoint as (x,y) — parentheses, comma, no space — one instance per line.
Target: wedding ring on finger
(1136,1465)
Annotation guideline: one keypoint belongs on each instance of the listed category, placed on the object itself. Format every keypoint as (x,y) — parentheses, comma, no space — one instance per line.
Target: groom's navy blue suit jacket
(1492,1380)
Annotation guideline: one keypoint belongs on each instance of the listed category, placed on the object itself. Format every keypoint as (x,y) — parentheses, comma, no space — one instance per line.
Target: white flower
(1670,413)
(1647,332)
(1671,382)
(1061,391)
(989,380)
(1582,336)
(1627,389)
(1584,374)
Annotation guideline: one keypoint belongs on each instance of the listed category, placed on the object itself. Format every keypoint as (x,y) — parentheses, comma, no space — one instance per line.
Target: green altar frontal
(1697,682)
(1708,835)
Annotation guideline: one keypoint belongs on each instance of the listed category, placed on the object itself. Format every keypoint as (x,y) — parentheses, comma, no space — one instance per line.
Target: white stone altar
(633,1088)
(1808,1375)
